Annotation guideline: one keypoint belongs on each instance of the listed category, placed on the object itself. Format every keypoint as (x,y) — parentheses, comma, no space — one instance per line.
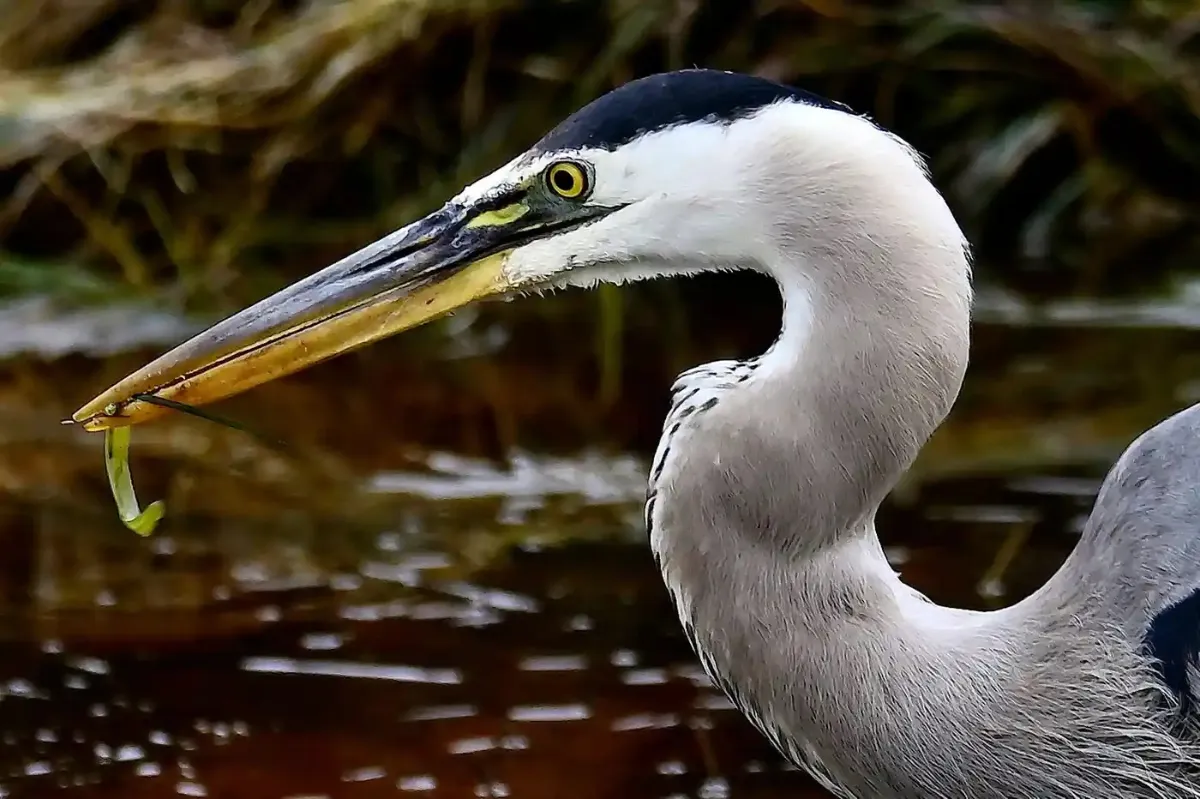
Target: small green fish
(116,463)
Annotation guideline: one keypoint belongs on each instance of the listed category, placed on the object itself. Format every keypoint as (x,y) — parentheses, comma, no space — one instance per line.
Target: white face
(690,198)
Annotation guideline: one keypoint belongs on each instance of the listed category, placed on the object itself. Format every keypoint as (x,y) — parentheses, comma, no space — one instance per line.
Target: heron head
(660,176)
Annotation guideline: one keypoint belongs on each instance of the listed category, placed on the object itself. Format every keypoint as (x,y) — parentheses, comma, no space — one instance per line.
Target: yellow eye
(567,179)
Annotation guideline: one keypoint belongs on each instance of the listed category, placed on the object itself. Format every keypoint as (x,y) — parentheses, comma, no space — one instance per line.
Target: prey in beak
(451,258)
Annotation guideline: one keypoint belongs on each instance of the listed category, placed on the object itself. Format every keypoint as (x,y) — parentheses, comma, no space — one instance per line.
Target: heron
(763,491)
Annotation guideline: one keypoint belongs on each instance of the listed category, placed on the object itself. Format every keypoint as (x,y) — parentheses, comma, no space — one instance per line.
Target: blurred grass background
(203,152)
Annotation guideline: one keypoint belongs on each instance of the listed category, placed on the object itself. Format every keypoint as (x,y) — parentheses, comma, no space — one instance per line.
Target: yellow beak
(419,273)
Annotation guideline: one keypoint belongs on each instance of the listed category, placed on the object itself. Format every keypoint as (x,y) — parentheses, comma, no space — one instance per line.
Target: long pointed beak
(416,274)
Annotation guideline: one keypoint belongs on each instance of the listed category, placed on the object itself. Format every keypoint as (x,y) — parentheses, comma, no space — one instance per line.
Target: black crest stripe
(660,101)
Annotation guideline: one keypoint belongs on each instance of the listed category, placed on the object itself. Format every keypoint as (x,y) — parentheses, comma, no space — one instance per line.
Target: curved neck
(767,480)
(795,455)
(809,441)
(851,397)
(761,514)
(762,521)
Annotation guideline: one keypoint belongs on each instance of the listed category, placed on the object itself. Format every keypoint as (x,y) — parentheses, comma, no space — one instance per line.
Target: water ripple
(352,670)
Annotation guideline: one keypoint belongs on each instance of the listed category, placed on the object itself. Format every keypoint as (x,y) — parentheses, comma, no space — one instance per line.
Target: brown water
(373,615)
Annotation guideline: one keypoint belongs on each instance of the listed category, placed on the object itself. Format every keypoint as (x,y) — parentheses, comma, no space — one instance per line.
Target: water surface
(377,613)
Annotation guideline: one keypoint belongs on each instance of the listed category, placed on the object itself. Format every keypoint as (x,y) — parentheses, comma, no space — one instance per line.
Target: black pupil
(564,181)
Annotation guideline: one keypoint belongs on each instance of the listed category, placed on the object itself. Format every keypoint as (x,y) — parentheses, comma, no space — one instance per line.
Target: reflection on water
(385,664)
(577,685)
(37,326)
(448,626)
(1179,309)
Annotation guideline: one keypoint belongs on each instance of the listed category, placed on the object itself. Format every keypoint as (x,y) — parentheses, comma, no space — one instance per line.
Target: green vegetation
(208,150)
